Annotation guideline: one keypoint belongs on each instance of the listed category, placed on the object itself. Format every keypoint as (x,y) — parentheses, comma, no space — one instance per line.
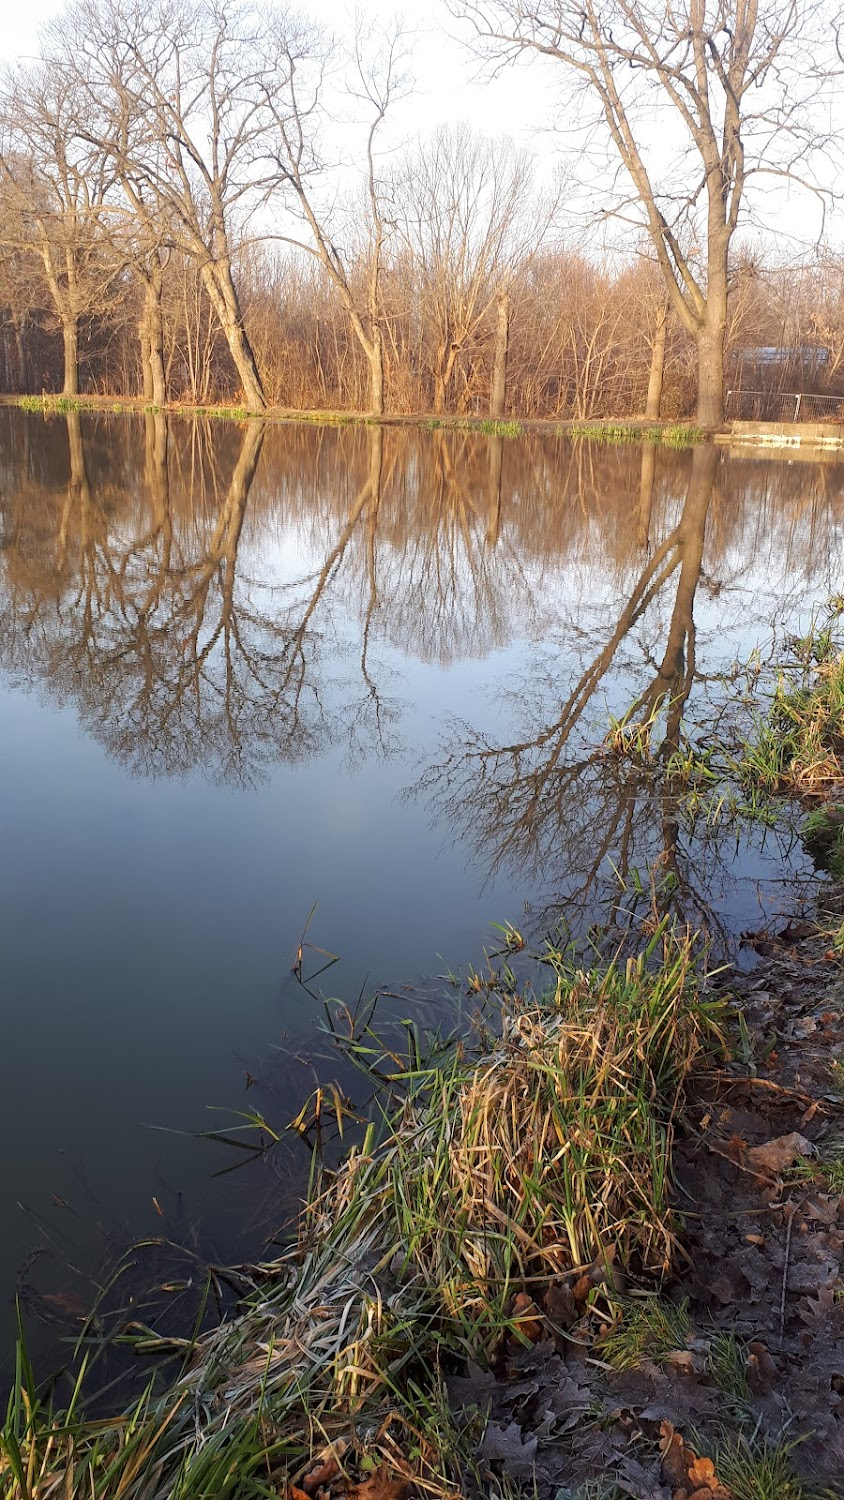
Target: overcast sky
(445,90)
(521,102)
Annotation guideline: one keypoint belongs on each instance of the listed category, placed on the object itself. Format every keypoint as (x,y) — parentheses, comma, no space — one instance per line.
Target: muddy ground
(763,1237)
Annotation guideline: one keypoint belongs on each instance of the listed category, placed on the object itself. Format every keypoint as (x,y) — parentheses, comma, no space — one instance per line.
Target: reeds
(530,1156)
(796,749)
(681,435)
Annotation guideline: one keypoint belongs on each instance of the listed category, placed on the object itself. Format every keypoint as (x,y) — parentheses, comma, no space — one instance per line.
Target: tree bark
(376,374)
(70,338)
(710,387)
(221,290)
(657,370)
(498,394)
(152,345)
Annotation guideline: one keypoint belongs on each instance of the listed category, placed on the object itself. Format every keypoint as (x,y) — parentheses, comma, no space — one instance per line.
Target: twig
(792,1207)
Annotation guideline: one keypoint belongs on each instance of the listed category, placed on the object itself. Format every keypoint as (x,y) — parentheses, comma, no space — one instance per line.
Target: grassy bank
(510,1186)
(671,435)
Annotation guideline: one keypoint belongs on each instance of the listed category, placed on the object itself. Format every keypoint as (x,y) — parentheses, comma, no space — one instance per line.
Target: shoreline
(676,434)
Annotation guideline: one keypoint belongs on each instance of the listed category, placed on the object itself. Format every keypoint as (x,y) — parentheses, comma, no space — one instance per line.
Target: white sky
(445,91)
(521,102)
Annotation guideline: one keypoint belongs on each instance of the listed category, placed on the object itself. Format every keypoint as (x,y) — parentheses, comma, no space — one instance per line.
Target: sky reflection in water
(245,670)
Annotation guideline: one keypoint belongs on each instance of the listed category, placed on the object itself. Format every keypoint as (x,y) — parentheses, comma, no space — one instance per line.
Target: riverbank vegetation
(512,1183)
(670,435)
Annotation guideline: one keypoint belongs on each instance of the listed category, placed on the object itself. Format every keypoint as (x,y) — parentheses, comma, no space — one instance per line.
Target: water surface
(246,670)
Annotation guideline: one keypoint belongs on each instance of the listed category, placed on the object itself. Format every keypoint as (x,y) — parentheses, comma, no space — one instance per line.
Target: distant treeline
(173,226)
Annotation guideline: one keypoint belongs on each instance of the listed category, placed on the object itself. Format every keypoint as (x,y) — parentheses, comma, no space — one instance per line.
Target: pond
(247,670)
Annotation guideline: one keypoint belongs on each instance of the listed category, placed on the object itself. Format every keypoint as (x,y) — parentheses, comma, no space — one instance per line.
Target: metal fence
(783,406)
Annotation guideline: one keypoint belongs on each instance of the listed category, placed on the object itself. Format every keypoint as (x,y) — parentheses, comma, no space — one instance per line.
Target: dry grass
(797,748)
(546,1150)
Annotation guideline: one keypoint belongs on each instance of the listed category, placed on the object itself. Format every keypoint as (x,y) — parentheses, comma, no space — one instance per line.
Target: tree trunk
(439,393)
(146,359)
(376,374)
(70,337)
(221,290)
(498,394)
(657,371)
(20,351)
(154,376)
(710,378)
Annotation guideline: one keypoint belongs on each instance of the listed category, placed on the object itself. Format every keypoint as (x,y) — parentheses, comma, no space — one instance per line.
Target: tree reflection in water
(584,821)
(230,598)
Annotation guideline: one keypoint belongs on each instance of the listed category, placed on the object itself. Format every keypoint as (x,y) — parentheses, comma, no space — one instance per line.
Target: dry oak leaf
(377,1486)
(703,1482)
(560,1305)
(320,1476)
(761,1370)
(673,1460)
(774,1156)
(527,1318)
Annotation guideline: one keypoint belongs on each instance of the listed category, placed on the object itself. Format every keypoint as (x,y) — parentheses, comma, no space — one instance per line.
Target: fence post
(797,406)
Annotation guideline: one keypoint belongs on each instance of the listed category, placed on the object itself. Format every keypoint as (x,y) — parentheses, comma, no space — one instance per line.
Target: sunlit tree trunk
(70,341)
(223,296)
(498,394)
(657,370)
(151,333)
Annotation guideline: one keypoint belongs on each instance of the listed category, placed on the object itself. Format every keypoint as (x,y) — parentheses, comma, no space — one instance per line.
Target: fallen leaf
(774,1156)
(506,1445)
(320,1476)
(377,1486)
(673,1462)
(526,1318)
(761,1370)
(702,1472)
(560,1305)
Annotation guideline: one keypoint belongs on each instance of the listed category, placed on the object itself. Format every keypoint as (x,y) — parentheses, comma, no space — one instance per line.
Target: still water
(243,671)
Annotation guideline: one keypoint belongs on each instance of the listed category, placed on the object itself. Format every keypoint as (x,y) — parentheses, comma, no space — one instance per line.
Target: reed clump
(797,748)
(539,1150)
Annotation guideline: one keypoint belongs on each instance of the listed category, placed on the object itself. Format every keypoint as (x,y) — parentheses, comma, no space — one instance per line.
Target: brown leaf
(377,1486)
(761,1370)
(702,1472)
(581,1289)
(673,1462)
(774,1156)
(294,1493)
(320,1476)
(527,1318)
(560,1305)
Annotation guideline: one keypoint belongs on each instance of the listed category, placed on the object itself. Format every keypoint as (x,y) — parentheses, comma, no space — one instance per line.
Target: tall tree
(188,87)
(58,182)
(729,85)
(378,79)
(468,213)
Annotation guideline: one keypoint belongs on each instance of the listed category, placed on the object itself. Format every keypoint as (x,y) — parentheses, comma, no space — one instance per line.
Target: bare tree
(57,188)
(732,83)
(379,78)
(468,212)
(187,86)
